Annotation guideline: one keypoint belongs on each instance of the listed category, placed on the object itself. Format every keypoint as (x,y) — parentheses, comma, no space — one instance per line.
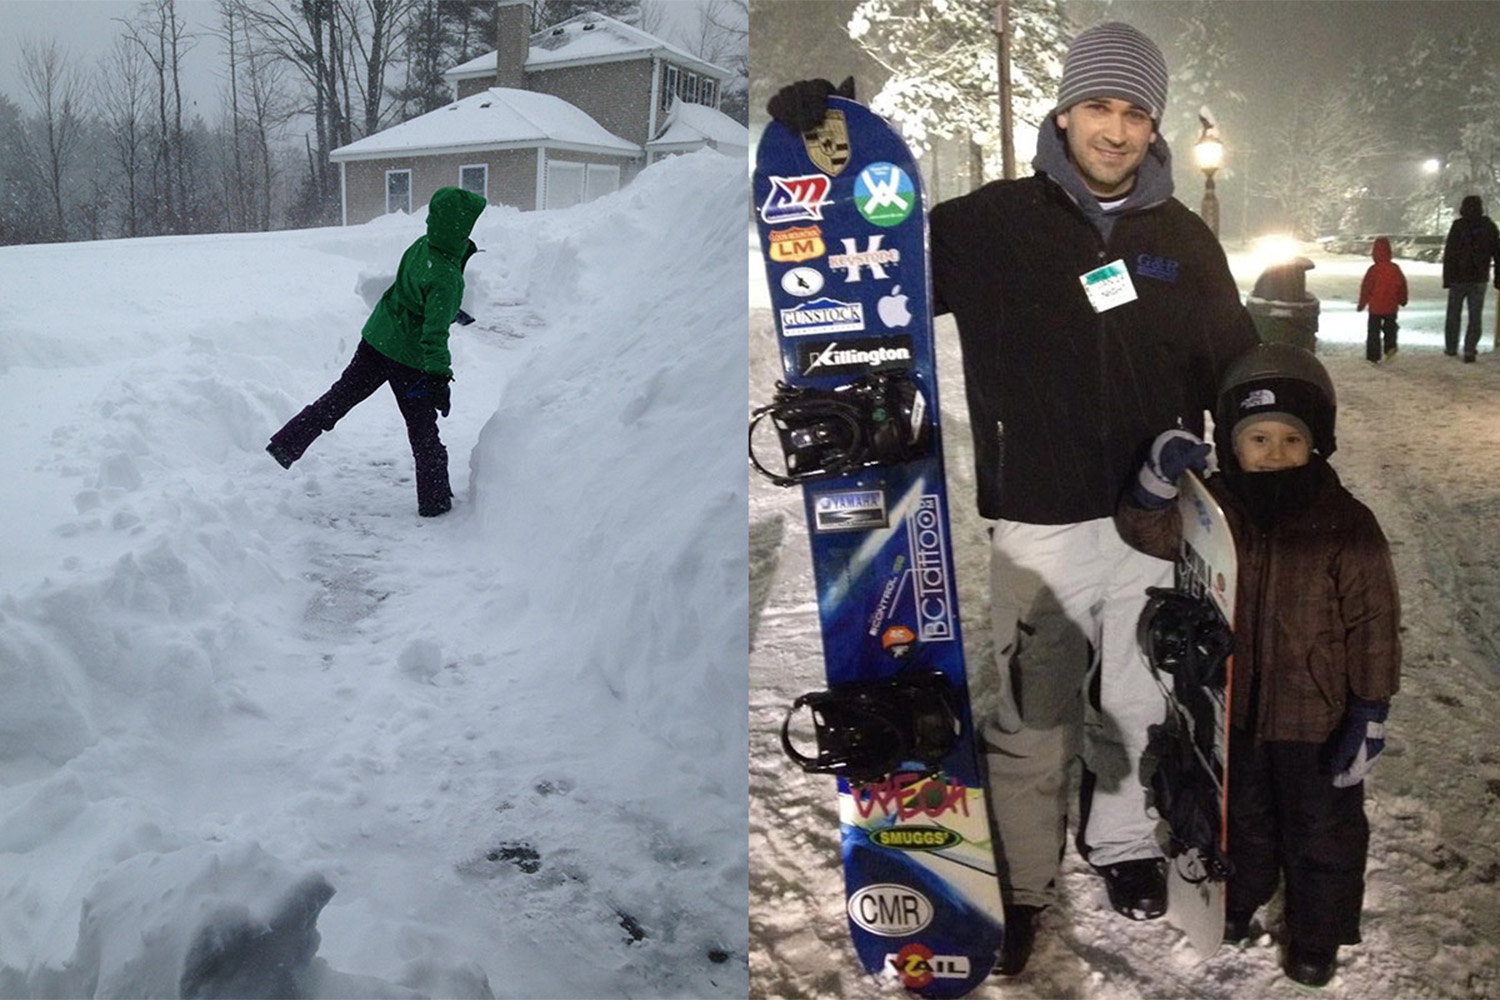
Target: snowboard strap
(868,729)
(878,419)
(1184,636)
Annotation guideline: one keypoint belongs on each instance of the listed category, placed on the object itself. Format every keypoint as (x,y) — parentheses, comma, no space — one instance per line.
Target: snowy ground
(1417,442)
(509,740)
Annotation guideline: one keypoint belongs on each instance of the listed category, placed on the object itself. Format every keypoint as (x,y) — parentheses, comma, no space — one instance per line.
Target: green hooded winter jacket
(410,322)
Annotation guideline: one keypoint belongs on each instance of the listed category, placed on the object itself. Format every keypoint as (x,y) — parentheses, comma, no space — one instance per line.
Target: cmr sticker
(890,910)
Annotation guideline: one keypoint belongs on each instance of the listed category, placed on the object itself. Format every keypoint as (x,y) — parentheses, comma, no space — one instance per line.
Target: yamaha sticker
(851,510)
(822,316)
(852,357)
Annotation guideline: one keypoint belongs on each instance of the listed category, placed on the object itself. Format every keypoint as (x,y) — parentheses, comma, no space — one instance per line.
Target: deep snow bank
(509,740)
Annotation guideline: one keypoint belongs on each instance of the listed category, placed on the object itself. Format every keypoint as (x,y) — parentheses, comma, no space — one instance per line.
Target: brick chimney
(512,42)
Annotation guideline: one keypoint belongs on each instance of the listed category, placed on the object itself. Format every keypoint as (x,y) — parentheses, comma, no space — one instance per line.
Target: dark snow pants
(1469,294)
(1380,336)
(368,371)
(1287,820)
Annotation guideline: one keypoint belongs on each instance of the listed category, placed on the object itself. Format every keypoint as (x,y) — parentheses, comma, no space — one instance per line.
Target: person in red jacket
(1384,291)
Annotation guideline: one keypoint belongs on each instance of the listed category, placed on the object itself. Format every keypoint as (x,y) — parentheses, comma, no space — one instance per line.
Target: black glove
(803,105)
(433,388)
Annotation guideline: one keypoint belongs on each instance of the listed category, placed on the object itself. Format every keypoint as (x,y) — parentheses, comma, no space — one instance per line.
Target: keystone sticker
(847,357)
(884,195)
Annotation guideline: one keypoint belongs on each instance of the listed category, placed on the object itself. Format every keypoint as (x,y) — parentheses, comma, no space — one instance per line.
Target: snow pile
(506,741)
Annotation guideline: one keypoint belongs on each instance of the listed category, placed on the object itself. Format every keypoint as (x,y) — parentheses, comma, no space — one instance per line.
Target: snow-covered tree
(1324,159)
(943,58)
(1204,64)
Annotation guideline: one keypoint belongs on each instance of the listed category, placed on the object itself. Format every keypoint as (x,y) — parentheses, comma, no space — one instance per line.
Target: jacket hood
(1381,250)
(1153,181)
(1472,207)
(450,218)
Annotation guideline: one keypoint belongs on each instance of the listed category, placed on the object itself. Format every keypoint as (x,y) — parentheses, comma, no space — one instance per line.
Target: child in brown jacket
(1316,653)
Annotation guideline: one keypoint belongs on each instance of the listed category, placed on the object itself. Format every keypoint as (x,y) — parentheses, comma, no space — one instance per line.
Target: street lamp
(1209,152)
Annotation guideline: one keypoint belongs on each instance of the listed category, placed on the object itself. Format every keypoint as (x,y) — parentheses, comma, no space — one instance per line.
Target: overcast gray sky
(85,30)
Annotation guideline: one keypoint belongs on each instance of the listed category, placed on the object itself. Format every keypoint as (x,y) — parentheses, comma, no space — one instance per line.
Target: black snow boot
(1137,889)
(1310,966)
(1020,936)
(1237,926)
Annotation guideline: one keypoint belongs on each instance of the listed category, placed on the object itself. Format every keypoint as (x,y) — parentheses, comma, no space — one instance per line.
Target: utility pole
(1007,142)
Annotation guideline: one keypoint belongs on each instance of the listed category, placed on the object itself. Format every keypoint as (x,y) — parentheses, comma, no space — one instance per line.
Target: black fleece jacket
(1063,401)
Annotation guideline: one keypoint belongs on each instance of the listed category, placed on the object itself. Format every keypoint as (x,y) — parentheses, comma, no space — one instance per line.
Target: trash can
(1283,311)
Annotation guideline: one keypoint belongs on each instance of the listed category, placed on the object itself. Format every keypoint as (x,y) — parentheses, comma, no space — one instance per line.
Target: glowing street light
(1209,152)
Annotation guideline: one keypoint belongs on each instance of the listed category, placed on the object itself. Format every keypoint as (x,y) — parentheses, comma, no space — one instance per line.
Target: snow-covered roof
(498,118)
(588,39)
(691,125)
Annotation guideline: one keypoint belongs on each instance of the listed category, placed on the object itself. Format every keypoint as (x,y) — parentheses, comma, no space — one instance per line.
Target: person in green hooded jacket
(405,343)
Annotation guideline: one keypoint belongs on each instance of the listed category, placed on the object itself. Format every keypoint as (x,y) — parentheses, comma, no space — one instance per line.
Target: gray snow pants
(1065,602)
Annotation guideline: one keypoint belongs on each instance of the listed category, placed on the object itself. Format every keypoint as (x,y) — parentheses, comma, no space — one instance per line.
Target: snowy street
(1417,443)
(509,740)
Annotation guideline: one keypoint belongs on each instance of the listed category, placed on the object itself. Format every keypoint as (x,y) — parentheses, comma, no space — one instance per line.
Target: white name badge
(1108,286)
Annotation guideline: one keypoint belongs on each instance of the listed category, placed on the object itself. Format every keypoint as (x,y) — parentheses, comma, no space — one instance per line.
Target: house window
(398,191)
(670,88)
(476,178)
(706,92)
(690,89)
(600,179)
(565,184)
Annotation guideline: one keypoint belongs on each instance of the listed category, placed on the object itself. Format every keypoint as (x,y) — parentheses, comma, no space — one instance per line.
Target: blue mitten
(1359,740)
(1172,453)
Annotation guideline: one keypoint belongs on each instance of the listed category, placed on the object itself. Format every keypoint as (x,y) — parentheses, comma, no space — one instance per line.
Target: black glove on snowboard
(803,105)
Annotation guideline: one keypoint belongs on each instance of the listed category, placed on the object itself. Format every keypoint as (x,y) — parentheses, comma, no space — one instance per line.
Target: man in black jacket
(1094,311)
(1473,245)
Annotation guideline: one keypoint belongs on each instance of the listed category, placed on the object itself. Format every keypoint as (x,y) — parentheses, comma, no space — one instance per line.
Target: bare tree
(56,89)
(307,35)
(164,39)
(375,29)
(124,103)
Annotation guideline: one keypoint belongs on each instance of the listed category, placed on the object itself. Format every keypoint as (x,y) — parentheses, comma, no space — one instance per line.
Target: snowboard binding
(867,730)
(878,419)
(1184,636)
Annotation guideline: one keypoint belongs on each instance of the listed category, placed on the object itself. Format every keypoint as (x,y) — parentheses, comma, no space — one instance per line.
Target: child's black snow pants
(368,371)
(1286,819)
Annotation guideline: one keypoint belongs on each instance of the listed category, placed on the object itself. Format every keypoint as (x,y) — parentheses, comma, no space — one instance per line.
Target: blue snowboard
(844,236)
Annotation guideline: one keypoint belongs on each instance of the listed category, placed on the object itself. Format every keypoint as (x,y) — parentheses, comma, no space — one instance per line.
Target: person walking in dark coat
(1470,255)
(405,343)
(1384,292)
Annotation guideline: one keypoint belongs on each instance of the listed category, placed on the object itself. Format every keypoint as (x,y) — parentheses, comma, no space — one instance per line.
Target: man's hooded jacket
(410,322)
(1472,245)
(1063,399)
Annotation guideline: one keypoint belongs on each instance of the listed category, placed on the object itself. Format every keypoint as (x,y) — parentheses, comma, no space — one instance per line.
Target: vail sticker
(884,194)
(1108,287)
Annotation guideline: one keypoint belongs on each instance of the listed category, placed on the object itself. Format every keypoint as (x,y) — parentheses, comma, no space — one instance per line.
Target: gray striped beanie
(1114,60)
